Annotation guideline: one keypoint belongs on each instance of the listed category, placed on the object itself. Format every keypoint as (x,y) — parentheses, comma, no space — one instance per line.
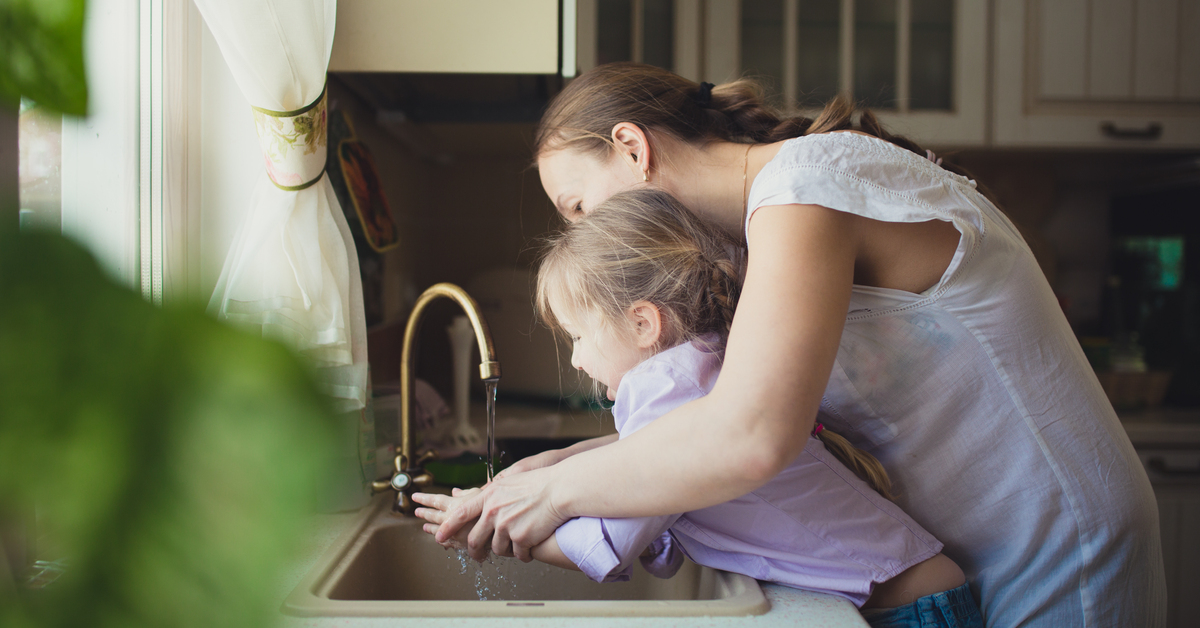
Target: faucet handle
(405,479)
(429,454)
(423,480)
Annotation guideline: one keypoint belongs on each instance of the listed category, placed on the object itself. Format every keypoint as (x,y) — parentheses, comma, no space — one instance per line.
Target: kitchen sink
(386,566)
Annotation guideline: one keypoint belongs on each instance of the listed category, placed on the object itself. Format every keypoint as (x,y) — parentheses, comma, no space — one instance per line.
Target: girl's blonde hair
(643,245)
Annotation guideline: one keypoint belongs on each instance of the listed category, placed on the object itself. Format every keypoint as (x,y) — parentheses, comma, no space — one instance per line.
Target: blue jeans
(949,609)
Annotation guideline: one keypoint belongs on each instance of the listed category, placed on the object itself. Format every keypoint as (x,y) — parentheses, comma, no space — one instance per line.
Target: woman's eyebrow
(558,203)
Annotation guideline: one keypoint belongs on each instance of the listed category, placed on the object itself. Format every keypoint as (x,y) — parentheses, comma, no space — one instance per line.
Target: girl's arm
(555,456)
(548,552)
(754,422)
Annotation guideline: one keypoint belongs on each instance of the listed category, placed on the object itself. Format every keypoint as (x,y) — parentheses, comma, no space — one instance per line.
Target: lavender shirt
(816,526)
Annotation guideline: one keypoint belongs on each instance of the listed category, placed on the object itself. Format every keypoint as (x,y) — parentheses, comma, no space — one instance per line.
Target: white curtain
(291,272)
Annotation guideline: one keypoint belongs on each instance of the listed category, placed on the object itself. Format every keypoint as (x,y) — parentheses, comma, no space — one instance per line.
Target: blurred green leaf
(41,54)
(171,458)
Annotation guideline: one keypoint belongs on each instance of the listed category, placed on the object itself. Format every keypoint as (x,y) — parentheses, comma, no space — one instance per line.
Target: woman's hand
(435,512)
(515,514)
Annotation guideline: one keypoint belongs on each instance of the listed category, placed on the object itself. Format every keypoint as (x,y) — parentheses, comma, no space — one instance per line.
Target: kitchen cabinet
(1175,476)
(475,36)
(665,33)
(921,65)
(1097,73)
(1179,518)
(1168,443)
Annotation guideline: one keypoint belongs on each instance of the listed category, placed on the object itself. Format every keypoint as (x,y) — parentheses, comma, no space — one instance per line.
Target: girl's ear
(647,324)
(633,146)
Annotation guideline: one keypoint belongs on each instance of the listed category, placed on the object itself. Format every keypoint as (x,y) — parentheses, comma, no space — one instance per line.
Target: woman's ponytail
(659,101)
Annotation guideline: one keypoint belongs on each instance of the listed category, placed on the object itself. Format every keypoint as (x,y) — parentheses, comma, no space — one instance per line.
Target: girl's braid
(723,290)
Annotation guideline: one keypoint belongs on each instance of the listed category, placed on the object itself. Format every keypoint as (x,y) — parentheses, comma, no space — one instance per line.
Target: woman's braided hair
(643,245)
(583,115)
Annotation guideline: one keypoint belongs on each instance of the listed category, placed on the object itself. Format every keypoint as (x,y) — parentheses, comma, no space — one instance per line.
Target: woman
(883,293)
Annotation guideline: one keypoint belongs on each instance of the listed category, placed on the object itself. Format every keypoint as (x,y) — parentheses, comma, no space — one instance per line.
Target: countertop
(789,607)
(1163,428)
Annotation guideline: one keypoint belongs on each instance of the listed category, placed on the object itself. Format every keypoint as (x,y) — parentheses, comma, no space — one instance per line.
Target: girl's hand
(537,461)
(555,456)
(434,513)
(515,514)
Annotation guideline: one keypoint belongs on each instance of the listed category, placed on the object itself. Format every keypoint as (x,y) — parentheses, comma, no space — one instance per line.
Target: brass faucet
(410,476)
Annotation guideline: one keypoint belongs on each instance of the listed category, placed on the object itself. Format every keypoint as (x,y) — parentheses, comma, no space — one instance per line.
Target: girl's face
(603,353)
(579,181)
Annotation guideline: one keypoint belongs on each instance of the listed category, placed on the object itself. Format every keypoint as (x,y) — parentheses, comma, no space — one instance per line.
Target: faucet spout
(409,476)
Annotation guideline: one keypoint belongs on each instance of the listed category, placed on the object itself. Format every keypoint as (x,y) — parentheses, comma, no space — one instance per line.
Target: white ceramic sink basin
(386,566)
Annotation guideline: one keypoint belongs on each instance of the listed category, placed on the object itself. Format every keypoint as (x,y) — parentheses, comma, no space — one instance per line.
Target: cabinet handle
(1151,131)
(1160,466)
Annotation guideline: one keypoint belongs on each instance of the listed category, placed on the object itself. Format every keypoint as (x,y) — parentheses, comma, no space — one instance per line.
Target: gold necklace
(745,198)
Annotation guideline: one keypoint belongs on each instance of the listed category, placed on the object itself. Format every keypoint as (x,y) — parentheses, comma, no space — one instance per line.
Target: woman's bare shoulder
(906,256)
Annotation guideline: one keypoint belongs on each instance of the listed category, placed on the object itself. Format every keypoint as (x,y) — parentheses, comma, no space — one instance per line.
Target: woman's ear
(633,146)
(647,324)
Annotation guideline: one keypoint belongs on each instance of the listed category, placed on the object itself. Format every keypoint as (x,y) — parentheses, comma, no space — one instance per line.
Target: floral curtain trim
(293,144)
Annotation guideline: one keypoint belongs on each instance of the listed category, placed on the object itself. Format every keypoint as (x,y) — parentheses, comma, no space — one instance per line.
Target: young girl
(647,292)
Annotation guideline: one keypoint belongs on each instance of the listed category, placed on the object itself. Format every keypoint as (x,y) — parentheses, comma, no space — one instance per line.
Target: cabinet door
(665,33)
(479,36)
(920,65)
(1097,73)
(1179,518)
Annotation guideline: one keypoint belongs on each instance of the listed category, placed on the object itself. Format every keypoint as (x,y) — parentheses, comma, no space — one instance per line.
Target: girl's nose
(575,359)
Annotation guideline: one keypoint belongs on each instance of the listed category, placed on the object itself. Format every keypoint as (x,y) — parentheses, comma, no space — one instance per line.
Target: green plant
(41,54)
(169,457)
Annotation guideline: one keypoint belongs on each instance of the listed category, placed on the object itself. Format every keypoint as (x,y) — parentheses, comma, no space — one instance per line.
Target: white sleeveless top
(977,398)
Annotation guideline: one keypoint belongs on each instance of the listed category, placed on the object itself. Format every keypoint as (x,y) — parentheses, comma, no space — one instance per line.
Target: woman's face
(578,181)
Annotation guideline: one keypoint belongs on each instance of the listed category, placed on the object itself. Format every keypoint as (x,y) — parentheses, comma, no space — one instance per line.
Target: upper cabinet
(920,65)
(1097,73)
(475,36)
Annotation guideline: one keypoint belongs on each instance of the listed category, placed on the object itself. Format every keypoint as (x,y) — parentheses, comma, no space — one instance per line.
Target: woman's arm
(754,422)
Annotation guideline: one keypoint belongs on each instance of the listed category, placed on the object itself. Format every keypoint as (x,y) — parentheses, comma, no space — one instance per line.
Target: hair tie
(704,96)
(818,428)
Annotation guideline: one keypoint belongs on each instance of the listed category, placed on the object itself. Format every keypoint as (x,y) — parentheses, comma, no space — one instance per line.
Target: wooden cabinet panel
(476,36)
(1110,74)
(1189,51)
(1155,52)
(1061,74)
